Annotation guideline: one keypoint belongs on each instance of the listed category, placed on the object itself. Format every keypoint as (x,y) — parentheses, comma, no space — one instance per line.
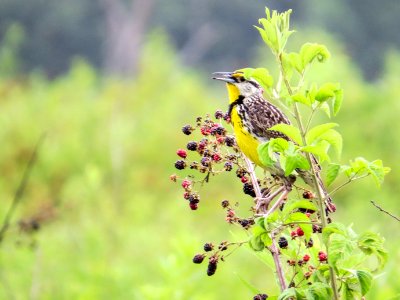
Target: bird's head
(238,85)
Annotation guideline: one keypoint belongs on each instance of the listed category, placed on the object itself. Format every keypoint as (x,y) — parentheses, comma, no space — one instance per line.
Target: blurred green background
(111,83)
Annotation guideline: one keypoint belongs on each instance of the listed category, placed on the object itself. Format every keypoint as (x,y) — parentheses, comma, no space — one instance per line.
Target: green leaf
(304,204)
(288,294)
(334,138)
(331,228)
(332,172)
(249,286)
(300,98)
(309,52)
(266,239)
(372,244)
(365,279)
(319,149)
(264,155)
(326,92)
(256,243)
(301,217)
(340,247)
(319,291)
(290,131)
(337,101)
(325,108)
(296,161)
(315,132)
(262,76)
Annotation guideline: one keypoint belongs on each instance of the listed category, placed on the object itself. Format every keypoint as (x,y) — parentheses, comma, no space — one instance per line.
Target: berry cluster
(216,152)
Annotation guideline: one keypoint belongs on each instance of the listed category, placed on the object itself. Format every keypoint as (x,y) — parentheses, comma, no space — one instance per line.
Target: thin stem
(20,190)
(346,183)
(385,211)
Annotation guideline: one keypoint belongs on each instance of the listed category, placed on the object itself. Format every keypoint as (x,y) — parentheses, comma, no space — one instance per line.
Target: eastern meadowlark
(251,117)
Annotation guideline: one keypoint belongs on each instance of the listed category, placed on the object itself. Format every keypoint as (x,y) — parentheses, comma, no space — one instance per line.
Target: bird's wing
(262,115)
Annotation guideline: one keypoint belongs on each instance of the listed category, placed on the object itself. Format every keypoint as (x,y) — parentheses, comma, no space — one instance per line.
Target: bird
(252,116)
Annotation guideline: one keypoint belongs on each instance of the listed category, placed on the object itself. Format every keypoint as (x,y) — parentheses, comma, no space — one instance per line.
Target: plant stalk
(314,174)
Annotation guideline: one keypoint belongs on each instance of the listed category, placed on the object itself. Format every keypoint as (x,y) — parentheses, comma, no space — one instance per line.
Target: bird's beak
(224,76)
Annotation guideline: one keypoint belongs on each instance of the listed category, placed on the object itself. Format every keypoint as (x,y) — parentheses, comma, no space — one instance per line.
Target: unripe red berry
(186,183)
(293,234)
(306,257)
(299,231)
(244,179)
(322,256)
(205,131)
(193,205)
(186,195)
(182,153)
(216,157)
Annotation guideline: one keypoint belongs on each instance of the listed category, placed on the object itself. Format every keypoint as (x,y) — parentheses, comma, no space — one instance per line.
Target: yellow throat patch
(246,142)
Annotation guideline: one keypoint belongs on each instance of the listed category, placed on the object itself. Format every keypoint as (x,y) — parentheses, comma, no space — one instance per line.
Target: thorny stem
(313,172)
(277,203)
(253,177)
(274,250)
(275,255)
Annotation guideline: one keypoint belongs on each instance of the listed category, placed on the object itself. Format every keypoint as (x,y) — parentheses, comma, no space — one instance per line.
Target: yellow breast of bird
(246,142)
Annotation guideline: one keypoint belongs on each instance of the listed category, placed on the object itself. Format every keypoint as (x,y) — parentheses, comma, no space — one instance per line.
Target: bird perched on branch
(252,116)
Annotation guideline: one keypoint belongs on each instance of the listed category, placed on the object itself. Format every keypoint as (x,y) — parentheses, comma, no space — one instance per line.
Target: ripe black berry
(180,164)
(212,266)
(192,146)
(260,297)
(308,195)
(316,228)
(230,141)
(208,247)
(283,243)
(198,258)
(194,198)
(228,166)
(310,243)
(244,222)
(187,129)
(248,189)
(219,114)
(241,172)
(205,161)
(218,130)
(225,203)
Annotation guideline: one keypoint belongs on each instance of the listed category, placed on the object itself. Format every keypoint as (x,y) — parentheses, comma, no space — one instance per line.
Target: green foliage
(262,76)
(275,31)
